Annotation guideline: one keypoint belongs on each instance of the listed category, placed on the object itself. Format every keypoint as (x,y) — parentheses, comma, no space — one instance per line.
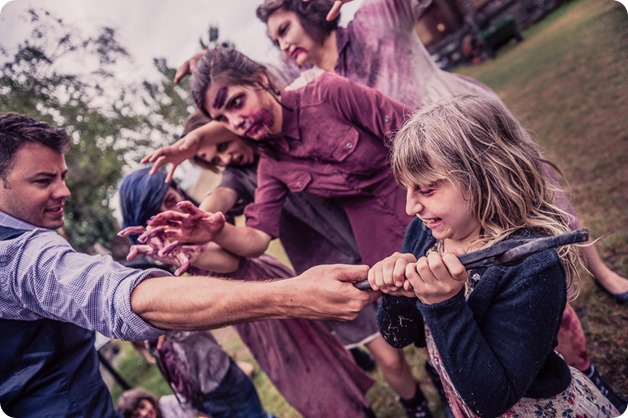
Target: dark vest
(49,368)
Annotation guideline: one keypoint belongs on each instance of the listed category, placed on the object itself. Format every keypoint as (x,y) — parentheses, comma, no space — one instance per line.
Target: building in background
(492,23)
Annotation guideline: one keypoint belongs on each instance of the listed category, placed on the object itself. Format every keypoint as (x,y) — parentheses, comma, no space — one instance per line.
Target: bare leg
(608,279)
(572,344)
(395,370)
(611,281)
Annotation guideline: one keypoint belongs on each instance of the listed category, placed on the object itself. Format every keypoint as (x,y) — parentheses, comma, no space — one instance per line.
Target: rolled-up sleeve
(47,278)
(396,15)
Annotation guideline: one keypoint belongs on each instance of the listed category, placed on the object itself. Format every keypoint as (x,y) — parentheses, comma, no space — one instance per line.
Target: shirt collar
(11,222)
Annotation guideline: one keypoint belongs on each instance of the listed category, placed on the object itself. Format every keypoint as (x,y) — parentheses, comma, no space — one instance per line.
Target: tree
(110,127)
(170,101)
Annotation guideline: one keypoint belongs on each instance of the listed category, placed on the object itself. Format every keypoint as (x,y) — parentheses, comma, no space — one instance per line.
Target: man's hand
(188,67)
(327,292)
(191,226)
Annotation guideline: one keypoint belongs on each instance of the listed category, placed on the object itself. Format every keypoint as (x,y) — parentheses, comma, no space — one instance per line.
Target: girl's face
(444,209)
(287,32)
(248,111)
(234,152)
(145,409)
(170,201)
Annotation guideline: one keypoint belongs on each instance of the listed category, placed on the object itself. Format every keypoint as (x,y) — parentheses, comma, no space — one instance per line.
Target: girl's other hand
(388,275)
(436,278)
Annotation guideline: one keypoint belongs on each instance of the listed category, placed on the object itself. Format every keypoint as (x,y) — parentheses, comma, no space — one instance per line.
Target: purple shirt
(42,276)
(380,49)
(334,144)
(312,230)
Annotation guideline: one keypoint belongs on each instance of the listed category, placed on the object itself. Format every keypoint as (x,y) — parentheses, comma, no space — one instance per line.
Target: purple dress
(305,362)
(380,49)
(334,145)
(312,231)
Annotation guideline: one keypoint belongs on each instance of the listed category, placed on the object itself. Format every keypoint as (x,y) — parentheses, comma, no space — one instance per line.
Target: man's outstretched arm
(194,303)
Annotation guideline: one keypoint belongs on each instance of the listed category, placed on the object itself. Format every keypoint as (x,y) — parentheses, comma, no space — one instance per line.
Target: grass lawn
(567,82)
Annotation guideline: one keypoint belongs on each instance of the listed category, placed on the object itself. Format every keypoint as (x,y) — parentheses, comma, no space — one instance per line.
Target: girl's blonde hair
(477,144)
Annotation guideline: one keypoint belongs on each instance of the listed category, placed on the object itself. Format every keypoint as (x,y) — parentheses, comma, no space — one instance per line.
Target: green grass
(138,373)
(568,83)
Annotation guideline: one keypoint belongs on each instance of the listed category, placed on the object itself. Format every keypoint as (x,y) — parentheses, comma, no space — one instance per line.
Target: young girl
(473,179)
(305,362)
(138,403)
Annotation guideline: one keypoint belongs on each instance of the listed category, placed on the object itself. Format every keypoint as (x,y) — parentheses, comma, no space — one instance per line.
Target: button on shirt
(313,230)
(334,144)
(42,276)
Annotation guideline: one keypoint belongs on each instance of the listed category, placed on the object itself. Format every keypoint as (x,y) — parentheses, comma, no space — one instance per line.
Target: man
(53,298)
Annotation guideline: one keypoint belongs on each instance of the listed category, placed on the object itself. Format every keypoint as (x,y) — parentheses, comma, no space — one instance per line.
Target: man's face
(35,189)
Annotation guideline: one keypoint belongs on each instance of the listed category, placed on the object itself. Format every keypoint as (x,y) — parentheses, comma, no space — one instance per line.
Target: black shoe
(438,384)
(363,359)
(419,410)
(369,413)
(417,406)
(620,298)
(619,402)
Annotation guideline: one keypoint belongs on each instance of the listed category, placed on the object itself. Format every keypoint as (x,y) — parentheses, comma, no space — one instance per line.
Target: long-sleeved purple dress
(306,363)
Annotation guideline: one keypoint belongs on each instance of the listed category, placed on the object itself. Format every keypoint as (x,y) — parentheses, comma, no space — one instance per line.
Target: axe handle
(510,253)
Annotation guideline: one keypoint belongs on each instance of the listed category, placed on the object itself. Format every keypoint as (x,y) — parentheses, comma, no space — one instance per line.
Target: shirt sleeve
(363,106)
(492,363)
(400,322)
(48,278)
(243,182)
(392,15)
(264,212)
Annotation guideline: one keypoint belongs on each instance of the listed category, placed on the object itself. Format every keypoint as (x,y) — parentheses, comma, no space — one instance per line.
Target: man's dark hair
(17,129)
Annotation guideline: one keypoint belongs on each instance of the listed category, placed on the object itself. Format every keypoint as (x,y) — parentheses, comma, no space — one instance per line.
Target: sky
(155,28)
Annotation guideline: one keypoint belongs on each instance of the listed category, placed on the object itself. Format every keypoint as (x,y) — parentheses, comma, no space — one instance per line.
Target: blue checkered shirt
(42,276)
